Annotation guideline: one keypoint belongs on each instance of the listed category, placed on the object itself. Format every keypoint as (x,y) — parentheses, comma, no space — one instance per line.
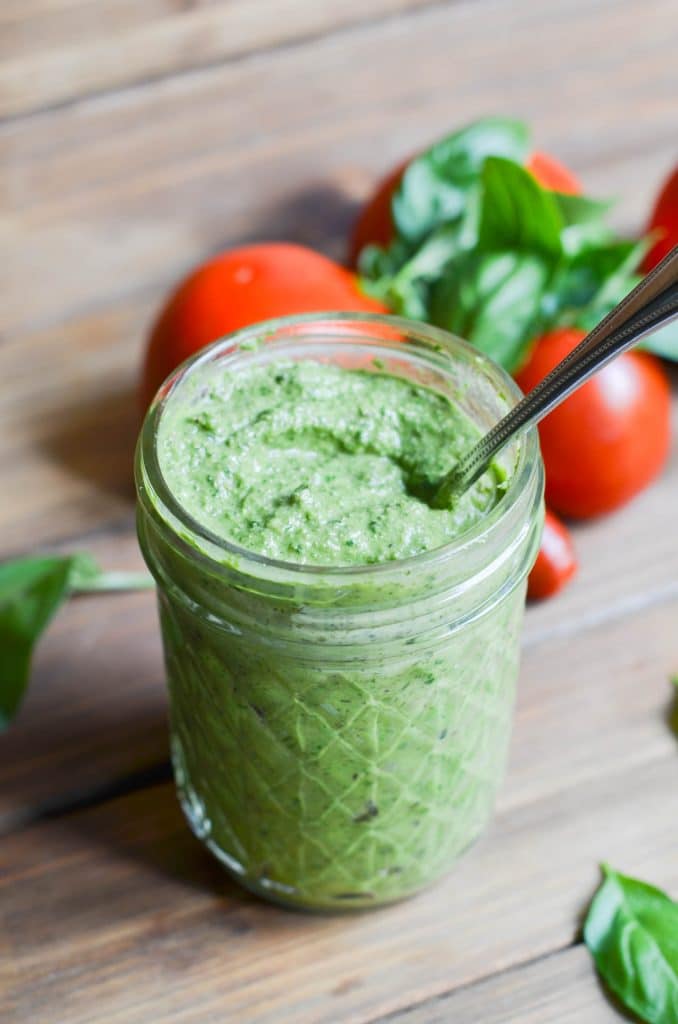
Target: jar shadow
(142,836)
(320,215)
(94,438)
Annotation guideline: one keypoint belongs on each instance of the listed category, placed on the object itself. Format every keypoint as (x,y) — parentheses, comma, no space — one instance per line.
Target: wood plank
(133,189)
(67,432)
(588,706)
(56,52)
(114,912)
(559,989)
(118,908)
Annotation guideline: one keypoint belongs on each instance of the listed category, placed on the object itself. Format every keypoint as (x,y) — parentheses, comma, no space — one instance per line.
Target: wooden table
(137,138)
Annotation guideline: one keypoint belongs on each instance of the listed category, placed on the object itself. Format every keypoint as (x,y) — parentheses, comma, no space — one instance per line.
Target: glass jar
(339,734)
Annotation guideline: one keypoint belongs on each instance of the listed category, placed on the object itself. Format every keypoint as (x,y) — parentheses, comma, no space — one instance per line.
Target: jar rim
(221,553)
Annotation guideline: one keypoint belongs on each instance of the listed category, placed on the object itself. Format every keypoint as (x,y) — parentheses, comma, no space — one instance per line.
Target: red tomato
(610,438)
(242,287)
(664,222)
(556,562)
(374,225)
(550,173)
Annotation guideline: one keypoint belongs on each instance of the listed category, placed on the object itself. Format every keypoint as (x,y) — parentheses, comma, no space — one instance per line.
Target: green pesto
(319,465)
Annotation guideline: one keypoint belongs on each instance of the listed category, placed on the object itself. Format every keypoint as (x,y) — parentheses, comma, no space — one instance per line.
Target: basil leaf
(619,276)
(590,284)
(632,933)
(406,292)
(494,301)
(579,209)
(31,591)
(465,211)
(583,220)
(597,280)
(375,263)
(434,186)
(517,213)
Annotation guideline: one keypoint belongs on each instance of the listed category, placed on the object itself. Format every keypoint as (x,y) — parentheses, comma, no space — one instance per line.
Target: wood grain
(51,53)
(118,908)
(67,432)
(133,189)
(559,989)
(113,912)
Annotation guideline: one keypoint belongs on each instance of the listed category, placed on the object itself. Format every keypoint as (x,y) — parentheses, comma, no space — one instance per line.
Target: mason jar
(339,734)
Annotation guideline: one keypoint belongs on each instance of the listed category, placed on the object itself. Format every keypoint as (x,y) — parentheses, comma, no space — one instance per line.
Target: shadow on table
(95,438)
(319,216)
(143,837)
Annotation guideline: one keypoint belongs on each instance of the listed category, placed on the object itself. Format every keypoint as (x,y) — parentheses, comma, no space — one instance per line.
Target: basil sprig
(481,249)
(632,933)
(31,591)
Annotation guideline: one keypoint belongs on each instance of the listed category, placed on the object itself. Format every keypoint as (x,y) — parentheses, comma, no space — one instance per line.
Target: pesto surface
(316,464)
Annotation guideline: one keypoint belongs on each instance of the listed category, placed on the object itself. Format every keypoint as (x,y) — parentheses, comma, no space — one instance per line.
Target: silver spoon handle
(651,304)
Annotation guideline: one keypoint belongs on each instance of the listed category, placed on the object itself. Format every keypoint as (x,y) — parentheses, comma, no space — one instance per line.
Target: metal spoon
(651,304)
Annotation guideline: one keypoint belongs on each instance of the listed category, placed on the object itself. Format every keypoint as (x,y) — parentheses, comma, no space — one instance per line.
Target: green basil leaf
(584,224)
(407,291)
(465,211)
(596,281)
(409,298)
(632,933)
(517,213)
(434,187)
(31,591)
(432,257)
(588,285)
(672,717)
(579,209)
(375,263)
(663,343)
(617,275)
(494,301)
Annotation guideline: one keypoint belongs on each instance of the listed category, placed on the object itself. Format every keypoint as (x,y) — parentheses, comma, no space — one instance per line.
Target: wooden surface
(138,138)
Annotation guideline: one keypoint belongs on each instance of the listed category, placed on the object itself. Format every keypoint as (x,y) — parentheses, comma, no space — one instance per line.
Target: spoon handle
(651,304)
